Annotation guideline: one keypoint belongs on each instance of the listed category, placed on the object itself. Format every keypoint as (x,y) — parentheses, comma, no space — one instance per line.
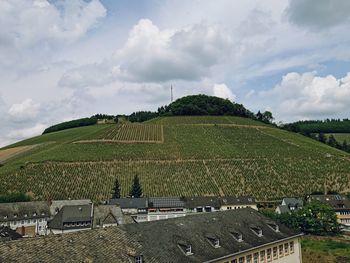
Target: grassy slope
(325,250)
(193,160)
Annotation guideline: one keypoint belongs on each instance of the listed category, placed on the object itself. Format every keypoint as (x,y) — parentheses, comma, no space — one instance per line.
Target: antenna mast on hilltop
(171,93)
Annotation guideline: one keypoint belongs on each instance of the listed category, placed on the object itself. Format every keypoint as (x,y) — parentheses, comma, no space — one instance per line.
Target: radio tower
(171,93)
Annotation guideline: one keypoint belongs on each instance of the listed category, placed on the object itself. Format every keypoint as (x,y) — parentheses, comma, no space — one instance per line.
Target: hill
(176,156)
(319,126)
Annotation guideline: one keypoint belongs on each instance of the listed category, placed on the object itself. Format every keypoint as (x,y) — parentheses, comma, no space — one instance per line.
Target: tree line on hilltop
(317,130)
(201,105)
(194,105)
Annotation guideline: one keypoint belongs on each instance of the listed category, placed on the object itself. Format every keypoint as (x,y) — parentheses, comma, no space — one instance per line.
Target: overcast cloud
(67,59)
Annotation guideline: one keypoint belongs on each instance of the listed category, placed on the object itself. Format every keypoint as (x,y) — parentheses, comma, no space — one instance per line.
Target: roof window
(139,259)
(213,240)
(257,230)
(274,227)
(186,248)
(237,236)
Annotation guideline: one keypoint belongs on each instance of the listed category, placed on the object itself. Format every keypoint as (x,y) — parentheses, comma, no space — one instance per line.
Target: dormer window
(257,231)
(34,214)
(139,259)
(274,227)
(15,215)
(25,215)
(237,236)
(214,241)
(186,248)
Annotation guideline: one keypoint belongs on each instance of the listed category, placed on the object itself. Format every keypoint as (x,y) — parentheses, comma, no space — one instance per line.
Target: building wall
(59,231)
(39,225)
(161,216)
(231,207)
(343,218)
(289,257)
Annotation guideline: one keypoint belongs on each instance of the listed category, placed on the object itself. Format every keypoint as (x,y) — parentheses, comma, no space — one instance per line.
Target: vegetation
(325,250)
(136,189)
(116,189)
(71,124)
(204,155)
(141,116)
(326,126)
(14,197)
(314,218)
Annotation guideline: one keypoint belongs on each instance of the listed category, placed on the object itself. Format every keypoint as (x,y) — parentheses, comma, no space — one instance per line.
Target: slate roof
(7,234)
(56,205)
(165,202)
(127,203)
(241,200)
(202,201)
(23,210)
(157,241)
(107,214)
(70,214)
(283,209)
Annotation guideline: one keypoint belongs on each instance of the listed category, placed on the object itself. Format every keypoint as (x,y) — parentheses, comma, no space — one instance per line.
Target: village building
(165,207)
(289,205)
(107,215)
(71,218)
(136,208)
(340,204)
(27,218)
(232,202)
(235,236)
(202,204)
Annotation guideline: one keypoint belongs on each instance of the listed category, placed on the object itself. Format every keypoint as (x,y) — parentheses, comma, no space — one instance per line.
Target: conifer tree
(136,189)
(116,189)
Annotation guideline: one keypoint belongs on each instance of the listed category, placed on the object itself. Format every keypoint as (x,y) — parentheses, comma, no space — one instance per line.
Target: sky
(66,59)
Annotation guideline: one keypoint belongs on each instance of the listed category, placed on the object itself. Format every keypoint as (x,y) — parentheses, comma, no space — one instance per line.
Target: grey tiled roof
(293,201)
(107,214)
(23,210)
(7,233)
(157,241)
(70,214)
(283,209)
(165,202)
(202,201)
(240,200)
(338,202)
(125,203)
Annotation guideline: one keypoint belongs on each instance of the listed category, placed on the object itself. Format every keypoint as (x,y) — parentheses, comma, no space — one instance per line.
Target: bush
(14,197)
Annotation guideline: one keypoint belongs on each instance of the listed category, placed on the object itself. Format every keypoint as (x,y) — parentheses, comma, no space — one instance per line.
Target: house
(134,207)
(7,234)
(26,218)
(202,204)
(165,207)
(71,218)
(340,204)
(235,236)
(107,215)
(231,202)
(289,204)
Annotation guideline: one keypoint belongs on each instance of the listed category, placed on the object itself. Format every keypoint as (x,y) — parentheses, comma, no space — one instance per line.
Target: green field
(194,156)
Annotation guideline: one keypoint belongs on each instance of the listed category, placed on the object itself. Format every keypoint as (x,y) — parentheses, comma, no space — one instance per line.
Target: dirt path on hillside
(12,152)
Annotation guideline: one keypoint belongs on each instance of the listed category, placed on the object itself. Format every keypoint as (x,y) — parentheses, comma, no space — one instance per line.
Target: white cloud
(222,91)
(27,110)
(27,132)
(309,96)
(29,29)
(154,55)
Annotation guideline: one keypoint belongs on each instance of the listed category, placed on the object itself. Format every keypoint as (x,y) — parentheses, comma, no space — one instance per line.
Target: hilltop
(175,156)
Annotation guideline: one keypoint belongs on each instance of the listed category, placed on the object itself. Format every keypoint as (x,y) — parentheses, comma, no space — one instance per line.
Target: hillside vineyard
(176,156)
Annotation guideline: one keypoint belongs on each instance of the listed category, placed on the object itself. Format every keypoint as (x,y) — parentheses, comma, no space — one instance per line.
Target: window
(286,248)
(189,250)
(214,241)
(262,256)
(139,259)
(249,259)
(234,261)
(274,252)
(22,222)
(40,228)
(274,227)
(280,250)
(186,248)
(255,257)
(291,247)
(268,254)
(257,230)
(241,260)
(237,236)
